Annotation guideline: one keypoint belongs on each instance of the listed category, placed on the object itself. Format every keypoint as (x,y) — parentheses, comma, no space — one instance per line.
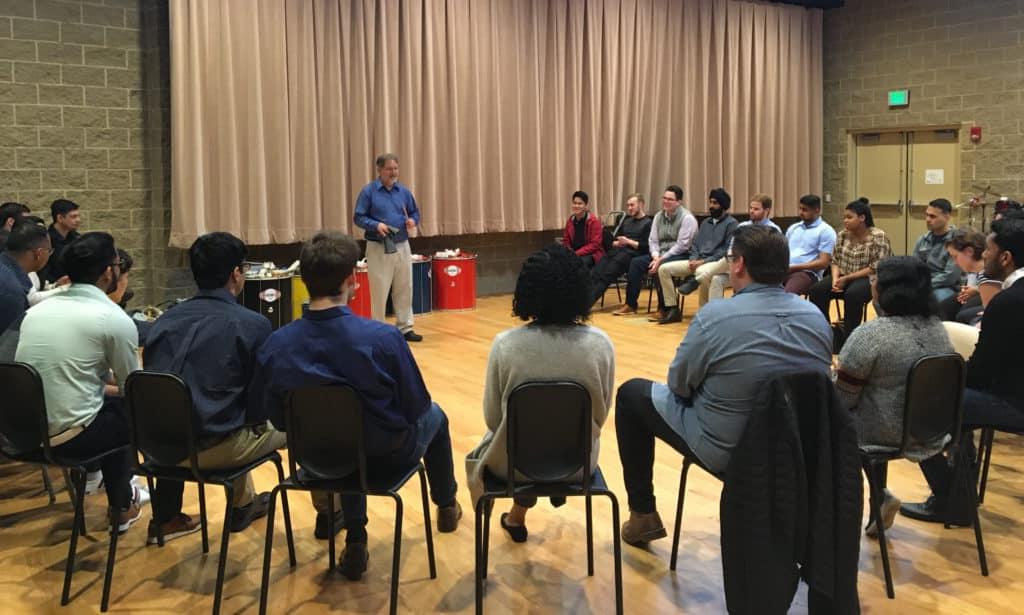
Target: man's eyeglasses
(731,257)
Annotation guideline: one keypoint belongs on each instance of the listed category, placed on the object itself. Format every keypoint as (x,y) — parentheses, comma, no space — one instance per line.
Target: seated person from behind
(28,248)
(859,248)
(73,340)
(552,295)
(731,348)
(211,341)
(811,242)
(709,246)
(872,376)
(329,345)
(630,241)
(583,232)
(966,248)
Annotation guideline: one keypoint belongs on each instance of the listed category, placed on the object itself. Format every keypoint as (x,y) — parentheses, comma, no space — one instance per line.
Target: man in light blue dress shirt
(731,349)
(811,243)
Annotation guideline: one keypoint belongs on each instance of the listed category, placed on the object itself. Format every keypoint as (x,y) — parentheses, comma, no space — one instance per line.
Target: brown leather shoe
(624,311)
(655,317)
(642,528)
(179,525)
(448,518)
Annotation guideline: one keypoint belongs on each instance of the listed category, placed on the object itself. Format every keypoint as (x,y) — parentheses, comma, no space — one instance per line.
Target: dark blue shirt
(334,346)
(211,342)
(14,285)
(376,204)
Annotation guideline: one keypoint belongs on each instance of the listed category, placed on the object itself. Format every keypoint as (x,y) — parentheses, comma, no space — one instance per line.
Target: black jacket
(792,502)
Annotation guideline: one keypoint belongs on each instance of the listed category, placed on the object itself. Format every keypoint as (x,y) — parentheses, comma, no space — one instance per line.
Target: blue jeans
(980,410)
(433,444)
(941,294)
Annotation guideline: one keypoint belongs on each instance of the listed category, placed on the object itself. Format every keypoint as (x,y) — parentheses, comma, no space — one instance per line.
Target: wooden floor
(935,570)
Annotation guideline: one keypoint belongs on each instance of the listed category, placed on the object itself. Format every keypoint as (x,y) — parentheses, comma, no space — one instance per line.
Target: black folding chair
(24,424)
(164,432)
(549,445)
(988,434)
(327,453)
(687,462)
(933,408)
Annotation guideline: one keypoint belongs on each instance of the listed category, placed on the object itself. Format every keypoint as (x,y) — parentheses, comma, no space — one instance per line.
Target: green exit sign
(899,98)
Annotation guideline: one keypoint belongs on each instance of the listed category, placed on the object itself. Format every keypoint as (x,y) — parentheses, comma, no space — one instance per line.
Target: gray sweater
(540,352)
(872,378)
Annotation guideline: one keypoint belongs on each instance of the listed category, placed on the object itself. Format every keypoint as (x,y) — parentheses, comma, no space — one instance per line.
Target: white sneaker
(93,482)
(140,492)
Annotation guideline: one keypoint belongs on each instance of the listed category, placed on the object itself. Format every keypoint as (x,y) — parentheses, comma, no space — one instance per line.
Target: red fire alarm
(975,134)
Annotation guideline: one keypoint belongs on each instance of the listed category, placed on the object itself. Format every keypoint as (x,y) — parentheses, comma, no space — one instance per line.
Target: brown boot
(642,528)
(624,311)
(659,315)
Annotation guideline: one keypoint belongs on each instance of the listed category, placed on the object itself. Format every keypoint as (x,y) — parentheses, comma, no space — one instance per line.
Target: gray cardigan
(540,352)
(872,378)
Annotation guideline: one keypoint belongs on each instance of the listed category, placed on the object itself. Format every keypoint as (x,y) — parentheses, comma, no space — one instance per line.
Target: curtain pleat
(497,109)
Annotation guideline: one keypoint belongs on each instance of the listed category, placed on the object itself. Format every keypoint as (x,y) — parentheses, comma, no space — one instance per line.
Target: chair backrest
(548,432)
(611,221)
(23,412)
(160,416)
(934,399)
(325,432)
(963,337)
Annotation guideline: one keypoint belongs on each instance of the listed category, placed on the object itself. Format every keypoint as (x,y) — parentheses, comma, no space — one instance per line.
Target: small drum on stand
(455,282)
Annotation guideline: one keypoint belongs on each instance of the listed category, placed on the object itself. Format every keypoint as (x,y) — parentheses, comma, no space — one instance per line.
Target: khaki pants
(681,269)
(390,272)
(241,447)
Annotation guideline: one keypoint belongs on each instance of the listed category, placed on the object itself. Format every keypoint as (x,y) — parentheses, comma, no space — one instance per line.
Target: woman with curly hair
(553,297)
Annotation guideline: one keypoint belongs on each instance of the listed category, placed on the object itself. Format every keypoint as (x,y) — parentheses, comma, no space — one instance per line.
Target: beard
(716,213)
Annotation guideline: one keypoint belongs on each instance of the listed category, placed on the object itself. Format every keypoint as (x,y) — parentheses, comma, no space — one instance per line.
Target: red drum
(360,301)
(455,282)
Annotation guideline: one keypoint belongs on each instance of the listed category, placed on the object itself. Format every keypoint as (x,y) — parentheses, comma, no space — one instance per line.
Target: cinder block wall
(963,61)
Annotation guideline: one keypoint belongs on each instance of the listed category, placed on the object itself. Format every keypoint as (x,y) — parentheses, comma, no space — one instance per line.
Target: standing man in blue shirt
(387,211)
(329,345)
(730,350)
(210,341)
(811,243)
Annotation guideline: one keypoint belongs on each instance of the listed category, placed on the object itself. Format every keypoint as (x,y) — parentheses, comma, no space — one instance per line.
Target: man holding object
(387,212)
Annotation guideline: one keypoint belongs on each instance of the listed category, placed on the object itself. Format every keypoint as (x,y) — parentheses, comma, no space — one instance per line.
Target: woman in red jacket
(583,231)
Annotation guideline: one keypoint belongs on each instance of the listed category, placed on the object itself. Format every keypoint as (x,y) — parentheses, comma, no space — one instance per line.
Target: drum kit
(979,202)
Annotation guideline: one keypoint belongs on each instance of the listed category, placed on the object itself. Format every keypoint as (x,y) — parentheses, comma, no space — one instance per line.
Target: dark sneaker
(321,531)
(642,528)
(448,518)
(353,560)
(180,525)
(673,315)
(518,533)
(688,285)
(243,517)
(412,336)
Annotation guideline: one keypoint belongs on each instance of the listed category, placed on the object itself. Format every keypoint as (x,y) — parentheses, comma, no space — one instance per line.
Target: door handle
(899,207)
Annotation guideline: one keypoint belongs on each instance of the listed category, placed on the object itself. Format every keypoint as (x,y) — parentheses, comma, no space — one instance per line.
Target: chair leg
(397,556)
(679,512)
(78,479)
(287,514)
(267,548)
(478,540)
(987,435)
(222,561)
(330,531)
(487,534)
(48,485)
(590,538)
(202,518)
(875,503)
(976,522)
(426,522)
(617,550)
(159,526)
(111,558)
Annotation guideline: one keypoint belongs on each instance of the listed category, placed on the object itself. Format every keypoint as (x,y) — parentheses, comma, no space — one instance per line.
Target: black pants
(637,270)
(980,410)
(856,295)
(605,272)
(108,430)
(637,424)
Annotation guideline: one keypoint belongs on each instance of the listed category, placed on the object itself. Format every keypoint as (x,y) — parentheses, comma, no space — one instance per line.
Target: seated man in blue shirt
(330,345)
(811,243)
(28,248)
(210,341)
(731,348)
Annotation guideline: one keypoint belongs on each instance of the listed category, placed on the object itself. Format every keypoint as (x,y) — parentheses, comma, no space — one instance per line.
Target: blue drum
(422,287)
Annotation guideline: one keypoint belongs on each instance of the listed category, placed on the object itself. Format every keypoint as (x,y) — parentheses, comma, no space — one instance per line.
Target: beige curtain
(498,109)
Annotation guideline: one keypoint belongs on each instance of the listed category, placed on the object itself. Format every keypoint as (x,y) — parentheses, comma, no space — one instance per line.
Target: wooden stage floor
(935,570)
